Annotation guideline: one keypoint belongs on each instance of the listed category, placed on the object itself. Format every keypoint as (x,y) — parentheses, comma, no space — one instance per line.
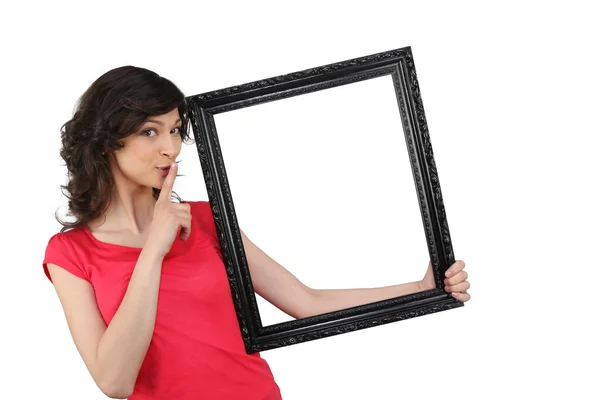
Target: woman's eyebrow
(160,122)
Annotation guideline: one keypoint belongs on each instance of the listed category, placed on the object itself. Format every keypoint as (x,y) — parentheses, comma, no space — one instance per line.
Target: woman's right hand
(168,218)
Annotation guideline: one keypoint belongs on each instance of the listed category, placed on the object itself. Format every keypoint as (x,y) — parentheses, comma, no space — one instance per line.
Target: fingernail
(448,274)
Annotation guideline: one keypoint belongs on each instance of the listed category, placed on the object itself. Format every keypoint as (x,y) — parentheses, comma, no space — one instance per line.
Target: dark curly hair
(112,108)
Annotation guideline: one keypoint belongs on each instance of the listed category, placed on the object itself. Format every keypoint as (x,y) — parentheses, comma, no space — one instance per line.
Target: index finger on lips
(167,186)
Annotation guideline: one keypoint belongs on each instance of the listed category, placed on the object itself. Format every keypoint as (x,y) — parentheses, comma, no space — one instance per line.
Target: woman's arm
(327,300)
(338,299)
(276,284)
(282,289)
(113,354)
(125,343)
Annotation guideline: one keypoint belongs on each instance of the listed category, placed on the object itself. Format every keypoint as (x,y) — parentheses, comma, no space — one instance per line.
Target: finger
(461,296)
(461,287)
(458,278)
(183,215)
(185,224)
(184,207)
(186,229)
(167,186)
(455,268)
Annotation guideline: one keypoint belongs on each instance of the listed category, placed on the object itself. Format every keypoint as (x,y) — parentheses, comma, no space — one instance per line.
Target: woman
(141,279)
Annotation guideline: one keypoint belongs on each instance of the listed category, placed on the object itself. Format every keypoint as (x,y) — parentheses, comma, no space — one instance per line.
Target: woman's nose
(169,145)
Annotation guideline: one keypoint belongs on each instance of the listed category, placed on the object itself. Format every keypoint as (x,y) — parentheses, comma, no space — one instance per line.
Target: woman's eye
(146,131)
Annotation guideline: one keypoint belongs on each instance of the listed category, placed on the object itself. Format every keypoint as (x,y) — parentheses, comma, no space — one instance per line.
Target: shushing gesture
(168,218)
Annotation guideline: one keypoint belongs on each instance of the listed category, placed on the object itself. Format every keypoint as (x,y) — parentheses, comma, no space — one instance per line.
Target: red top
(196,350)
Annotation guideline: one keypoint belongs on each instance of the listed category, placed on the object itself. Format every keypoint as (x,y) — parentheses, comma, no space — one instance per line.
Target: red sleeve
(203,218)
(60,251)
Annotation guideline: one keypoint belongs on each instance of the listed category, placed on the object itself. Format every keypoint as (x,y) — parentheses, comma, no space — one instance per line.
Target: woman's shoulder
(69,241)
(65,250)
(66,236)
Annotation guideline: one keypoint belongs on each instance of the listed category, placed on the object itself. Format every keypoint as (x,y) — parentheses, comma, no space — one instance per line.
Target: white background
(511,98)
(323,184)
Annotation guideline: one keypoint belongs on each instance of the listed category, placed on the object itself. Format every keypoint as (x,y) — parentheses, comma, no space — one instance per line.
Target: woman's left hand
(455,282)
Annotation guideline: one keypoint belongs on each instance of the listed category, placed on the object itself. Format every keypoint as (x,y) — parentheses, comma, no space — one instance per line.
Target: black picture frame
(398,63)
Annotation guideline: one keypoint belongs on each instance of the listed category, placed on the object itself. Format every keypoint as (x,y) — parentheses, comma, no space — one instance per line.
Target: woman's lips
(163,171)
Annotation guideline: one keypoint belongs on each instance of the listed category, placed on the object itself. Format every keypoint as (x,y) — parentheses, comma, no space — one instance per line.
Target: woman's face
(156,144)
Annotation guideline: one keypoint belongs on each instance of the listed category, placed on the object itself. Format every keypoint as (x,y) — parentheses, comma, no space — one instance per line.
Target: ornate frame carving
(400,65)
